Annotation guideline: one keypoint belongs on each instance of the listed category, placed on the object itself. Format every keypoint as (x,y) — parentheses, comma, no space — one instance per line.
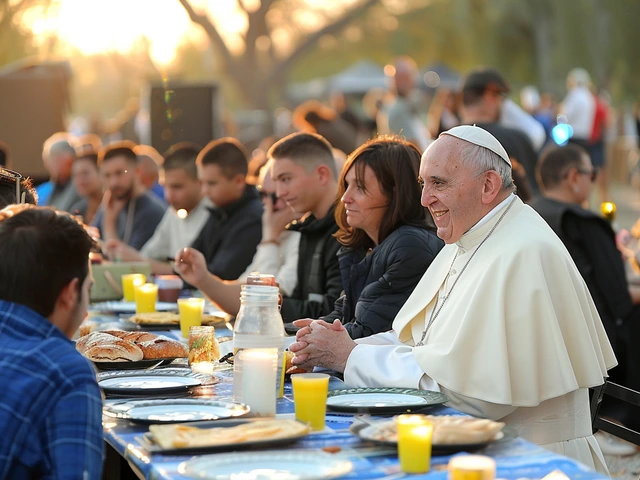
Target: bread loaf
(94,338)
(163,347)
(135,337)
(119,351)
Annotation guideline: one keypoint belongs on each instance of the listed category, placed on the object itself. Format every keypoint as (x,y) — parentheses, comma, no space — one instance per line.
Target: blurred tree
(278,33)
(15,39)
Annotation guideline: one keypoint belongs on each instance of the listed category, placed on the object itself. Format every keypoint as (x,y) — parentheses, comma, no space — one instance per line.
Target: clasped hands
(321,344)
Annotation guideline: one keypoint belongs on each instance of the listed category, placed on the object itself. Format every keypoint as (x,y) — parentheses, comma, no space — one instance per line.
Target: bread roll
(163,347)
(119,351)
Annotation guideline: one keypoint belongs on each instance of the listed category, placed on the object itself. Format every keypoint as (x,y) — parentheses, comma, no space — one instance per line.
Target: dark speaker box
(183,113)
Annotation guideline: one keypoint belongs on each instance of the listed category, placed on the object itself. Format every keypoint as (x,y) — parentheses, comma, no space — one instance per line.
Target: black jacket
(592,245)
(319,284)
(378,285)
(231,235)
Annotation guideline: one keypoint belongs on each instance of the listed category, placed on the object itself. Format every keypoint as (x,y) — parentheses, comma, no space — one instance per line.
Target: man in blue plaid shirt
(50,403)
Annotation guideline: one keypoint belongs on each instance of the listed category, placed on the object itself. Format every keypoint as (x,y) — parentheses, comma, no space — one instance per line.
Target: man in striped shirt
(50,403)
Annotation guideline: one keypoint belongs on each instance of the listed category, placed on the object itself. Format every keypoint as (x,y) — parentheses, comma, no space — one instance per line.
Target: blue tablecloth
(516,458)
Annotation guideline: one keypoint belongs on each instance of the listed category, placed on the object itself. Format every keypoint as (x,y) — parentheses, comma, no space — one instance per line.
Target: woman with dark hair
(387,246)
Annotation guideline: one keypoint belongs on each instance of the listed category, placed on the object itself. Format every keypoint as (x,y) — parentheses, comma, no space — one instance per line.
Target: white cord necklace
(436,311)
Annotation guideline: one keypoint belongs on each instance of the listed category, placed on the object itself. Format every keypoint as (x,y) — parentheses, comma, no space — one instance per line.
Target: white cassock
(519,338)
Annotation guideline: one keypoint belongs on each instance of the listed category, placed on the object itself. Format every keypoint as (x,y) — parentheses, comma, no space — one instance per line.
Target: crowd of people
(461,260)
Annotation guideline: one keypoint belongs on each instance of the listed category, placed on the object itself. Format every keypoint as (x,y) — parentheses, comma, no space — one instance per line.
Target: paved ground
(624,468)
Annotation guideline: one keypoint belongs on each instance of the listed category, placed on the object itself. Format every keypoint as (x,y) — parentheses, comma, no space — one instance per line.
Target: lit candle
(608,210)
(414,443)
(259,367)
(472,467)
(129,282)
(146,297)
(190,314)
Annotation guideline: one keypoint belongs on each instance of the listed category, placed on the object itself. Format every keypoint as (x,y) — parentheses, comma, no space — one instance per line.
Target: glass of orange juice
(190,314)
(146,297)
(310,398)
(129,283)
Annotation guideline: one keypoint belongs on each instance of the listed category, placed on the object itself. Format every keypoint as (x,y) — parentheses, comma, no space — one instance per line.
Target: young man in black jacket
(231,235)
(306,179)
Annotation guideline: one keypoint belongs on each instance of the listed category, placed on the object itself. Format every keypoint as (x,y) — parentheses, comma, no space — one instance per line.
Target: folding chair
(621,393)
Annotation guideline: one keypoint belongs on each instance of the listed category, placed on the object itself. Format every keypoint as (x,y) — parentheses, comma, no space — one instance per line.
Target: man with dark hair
(483,95)
(51,406)
(183,220)
(128,212)
(306,179)
(58,155)
(15,189)
(231,235)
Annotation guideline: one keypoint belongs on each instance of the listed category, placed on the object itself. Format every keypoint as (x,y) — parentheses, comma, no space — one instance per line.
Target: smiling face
(365,203)
(452,191)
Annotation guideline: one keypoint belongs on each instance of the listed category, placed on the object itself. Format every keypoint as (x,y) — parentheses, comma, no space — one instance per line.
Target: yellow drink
(310,398)
(129,282)
(190,314)
(146,298)
(414,443)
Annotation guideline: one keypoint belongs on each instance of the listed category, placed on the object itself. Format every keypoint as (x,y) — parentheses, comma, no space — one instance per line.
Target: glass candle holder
(203,349)
(472,467)
(129,284)
(190,314)
(146,297)
(414,443)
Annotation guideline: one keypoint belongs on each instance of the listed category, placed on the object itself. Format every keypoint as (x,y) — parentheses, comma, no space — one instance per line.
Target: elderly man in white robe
(501,322)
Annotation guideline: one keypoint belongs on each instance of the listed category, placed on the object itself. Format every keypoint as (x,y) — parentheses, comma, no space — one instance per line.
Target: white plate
(263,466)
(130,307)
(175,410)
(148,382)
(376,400)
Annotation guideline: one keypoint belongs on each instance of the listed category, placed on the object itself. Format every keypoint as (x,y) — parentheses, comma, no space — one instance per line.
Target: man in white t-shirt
(184,219)
(579,105)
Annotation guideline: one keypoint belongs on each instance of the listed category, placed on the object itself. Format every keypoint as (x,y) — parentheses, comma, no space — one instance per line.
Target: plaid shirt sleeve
(74,431)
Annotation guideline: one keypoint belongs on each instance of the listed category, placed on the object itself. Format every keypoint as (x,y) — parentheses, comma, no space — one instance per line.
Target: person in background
(8,189)
(232,233)
(400,117)
(148,169)
(579,106)
(51,405)
(58,155)
(501,305)
(88,184)
(315,117)
(567,176)
(128,212)
(182,222)
(483,96)
(386,244)
(276,255)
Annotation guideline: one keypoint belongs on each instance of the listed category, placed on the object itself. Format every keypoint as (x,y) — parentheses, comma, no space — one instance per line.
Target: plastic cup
(472,467)
(190,314)
(414,443)
(129,282)
(310,398)
(146,297)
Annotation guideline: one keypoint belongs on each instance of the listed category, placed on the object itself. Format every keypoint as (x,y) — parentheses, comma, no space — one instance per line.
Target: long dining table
(515,457)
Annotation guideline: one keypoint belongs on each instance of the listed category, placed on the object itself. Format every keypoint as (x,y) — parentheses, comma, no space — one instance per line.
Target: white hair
(482,159)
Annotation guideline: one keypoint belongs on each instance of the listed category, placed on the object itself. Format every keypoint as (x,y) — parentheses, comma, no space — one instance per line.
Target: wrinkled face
(364,201)
(216,186)
(294,185)
(452,191)
(181,190)
(86,178)
(119,177)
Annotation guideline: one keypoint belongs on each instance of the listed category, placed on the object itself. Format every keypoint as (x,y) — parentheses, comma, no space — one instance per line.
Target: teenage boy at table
(51,406)
(128,212)
(279,259)
(183,220)
(305,175)
(229,239)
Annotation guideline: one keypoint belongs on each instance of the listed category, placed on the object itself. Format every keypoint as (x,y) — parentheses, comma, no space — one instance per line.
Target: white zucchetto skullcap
(479,136)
